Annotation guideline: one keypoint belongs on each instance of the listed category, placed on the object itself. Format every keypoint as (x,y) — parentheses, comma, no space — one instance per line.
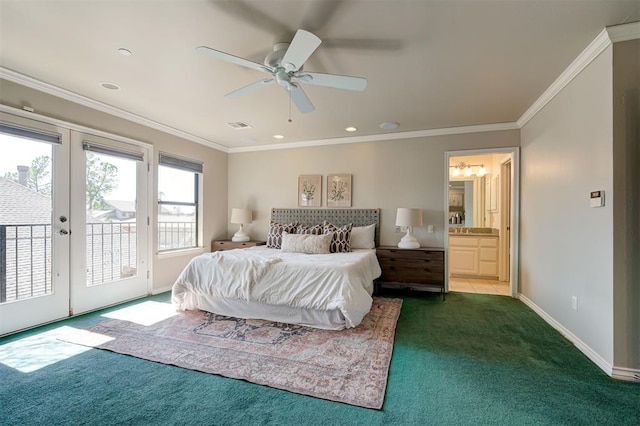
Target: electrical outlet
(574,303)
(430,229)
(398,230)
(403,229)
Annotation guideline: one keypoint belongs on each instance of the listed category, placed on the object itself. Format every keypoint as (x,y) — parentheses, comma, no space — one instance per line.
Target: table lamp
(240,216)
(409,218)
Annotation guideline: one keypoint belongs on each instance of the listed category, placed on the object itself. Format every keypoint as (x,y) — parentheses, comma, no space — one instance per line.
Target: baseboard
(161,289)
(629,374)
(582,347)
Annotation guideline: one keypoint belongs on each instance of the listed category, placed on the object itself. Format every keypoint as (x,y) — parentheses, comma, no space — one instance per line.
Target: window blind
(114,152)
(28,133)
(180,163)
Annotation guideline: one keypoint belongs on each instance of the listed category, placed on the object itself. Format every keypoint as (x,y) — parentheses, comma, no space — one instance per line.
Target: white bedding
(341,282)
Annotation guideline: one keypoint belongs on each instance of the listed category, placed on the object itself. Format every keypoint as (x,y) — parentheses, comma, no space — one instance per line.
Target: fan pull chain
(290,120)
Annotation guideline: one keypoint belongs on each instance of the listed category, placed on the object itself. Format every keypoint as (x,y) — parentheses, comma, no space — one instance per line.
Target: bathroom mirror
(466,198)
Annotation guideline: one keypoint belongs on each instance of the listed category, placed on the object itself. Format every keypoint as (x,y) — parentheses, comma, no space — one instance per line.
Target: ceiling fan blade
(300,99)
(333,80)
(302,46)
(250,88)
(234,59)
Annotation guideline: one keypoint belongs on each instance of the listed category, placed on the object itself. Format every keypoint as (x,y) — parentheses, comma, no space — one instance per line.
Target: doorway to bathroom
(481,220)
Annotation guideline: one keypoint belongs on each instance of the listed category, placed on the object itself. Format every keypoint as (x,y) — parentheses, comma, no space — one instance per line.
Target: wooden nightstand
(413,268)
(220,245)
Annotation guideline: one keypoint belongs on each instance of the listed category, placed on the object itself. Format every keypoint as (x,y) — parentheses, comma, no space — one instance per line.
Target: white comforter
(340,281)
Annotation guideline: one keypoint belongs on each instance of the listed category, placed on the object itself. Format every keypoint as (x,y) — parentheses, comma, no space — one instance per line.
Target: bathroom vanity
(473,252)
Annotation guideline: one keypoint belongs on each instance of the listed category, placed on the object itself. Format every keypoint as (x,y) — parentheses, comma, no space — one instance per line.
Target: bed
(328,290)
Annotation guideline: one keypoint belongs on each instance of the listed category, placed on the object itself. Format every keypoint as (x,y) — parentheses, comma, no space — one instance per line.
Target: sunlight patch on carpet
(34,352)
(145,313)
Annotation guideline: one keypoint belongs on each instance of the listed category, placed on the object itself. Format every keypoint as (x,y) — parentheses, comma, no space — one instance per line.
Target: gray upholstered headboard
(339,217)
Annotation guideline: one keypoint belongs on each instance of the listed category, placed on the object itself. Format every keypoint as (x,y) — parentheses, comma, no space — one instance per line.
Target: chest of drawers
(412,268)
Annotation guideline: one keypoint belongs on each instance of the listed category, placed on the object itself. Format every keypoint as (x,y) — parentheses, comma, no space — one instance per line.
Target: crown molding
(68,95)
(624,32)
(382,137)
(597,46)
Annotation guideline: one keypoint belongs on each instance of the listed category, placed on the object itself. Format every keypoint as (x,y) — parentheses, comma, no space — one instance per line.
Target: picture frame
(338,190)
(309,190)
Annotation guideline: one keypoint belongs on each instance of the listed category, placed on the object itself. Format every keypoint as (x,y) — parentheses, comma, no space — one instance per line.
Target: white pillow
(306,243)
(363,237)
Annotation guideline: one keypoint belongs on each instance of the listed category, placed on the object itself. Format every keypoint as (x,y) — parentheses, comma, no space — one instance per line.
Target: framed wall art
(309,190)
(339,191)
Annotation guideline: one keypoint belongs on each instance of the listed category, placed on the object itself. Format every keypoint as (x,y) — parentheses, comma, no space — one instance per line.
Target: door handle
(63,232)
(63,219)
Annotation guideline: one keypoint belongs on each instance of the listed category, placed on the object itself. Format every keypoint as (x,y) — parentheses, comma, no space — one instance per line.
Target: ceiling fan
(285,66)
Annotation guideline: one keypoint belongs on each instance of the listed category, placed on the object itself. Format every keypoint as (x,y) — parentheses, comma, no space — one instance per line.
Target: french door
(73,222)
(34,219)
(109,242)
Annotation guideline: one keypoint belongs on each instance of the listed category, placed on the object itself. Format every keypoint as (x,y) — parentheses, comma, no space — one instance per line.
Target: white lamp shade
(408,217)
(240,216)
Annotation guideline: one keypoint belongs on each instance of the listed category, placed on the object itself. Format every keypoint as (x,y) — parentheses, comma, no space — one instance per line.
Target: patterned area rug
(349,366)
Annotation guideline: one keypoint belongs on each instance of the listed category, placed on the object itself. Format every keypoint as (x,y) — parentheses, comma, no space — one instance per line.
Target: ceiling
(429,64)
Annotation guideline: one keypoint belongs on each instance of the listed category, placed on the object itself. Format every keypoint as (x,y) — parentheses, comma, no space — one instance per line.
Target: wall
(215,165)
(385,175)
(626,208)
(565,246)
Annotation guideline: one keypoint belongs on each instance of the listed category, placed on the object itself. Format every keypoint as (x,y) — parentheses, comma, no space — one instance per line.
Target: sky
(175,184)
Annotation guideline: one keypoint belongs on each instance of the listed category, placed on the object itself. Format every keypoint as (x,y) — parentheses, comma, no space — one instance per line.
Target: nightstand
(412,268)
(219,245)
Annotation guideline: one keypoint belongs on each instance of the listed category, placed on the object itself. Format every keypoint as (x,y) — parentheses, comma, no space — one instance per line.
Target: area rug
(349,366)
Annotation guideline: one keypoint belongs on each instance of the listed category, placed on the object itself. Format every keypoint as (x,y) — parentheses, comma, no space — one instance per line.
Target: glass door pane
(111,218)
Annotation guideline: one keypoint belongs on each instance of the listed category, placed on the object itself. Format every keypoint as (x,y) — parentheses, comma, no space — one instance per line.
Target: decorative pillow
(274,236)
(363,237)
(312,230)
(306,243)
(341,242)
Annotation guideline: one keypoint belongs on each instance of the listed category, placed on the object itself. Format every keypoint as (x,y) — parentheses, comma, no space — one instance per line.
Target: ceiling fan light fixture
(389,125)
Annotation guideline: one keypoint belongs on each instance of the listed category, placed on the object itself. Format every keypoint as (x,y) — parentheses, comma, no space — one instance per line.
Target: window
(178,203)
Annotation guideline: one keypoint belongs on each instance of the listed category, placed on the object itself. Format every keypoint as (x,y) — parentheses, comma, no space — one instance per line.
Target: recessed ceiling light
(351,129)
(110,86)
(249,141)
(389,125)
(124,52)
(278,136)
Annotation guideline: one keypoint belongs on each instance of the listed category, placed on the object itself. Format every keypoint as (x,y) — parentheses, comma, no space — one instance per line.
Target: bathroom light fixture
(240,216)
(467,170)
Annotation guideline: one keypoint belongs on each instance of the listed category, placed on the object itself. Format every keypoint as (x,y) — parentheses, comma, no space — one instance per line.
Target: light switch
(596,199)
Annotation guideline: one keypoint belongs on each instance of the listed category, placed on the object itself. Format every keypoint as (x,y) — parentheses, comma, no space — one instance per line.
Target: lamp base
(409,245)
(409,241)
(240,236)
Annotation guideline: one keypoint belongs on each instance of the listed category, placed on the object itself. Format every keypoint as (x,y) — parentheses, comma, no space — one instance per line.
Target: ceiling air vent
(238,125)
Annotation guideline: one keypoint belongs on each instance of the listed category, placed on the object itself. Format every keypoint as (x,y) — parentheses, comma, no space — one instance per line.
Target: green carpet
(474,359)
